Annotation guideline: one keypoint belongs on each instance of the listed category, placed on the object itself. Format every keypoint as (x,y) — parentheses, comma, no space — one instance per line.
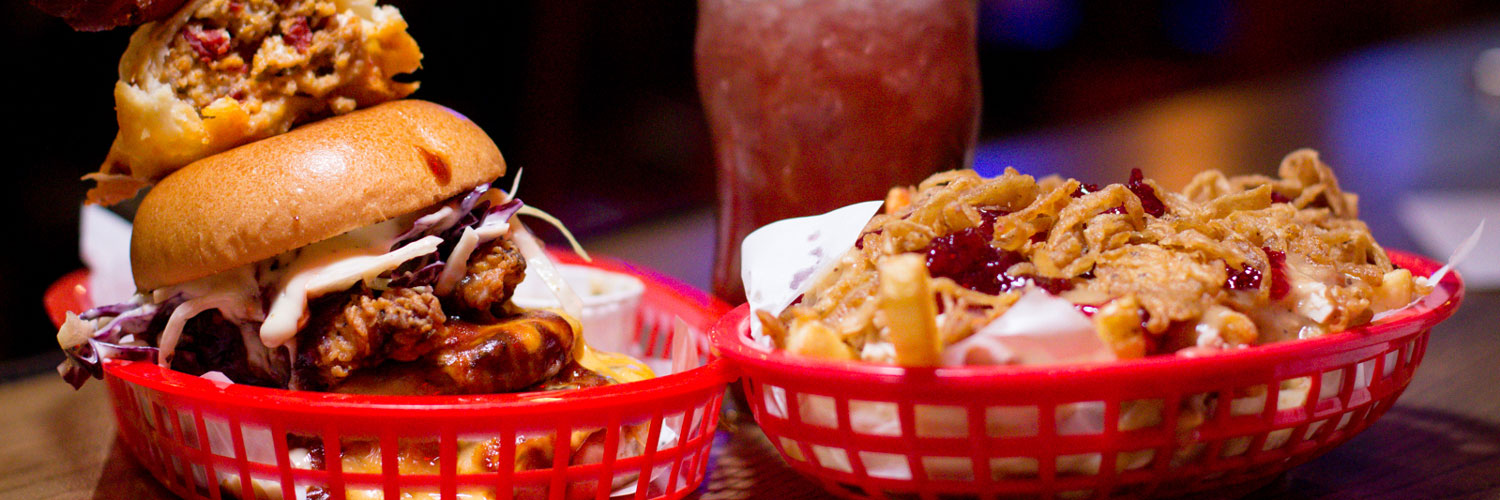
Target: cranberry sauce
(1279,285)
(1053,286)
(1245,278)
(1084,189)
(1149,202)
(966,257)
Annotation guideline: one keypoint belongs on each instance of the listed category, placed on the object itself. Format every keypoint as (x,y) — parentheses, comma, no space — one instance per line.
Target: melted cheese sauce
(622,368)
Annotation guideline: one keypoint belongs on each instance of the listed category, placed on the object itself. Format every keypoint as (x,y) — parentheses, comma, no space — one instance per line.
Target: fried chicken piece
(508,356)
(494,271)
(359,330)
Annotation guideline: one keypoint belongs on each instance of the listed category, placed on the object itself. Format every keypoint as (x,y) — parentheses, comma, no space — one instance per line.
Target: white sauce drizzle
(437,218)
(458,262)
(326,267)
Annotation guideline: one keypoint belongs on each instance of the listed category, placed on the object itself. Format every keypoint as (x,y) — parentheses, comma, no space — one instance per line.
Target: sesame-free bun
(307,185)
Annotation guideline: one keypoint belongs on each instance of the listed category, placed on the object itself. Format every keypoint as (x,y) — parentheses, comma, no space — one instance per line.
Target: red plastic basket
(208,440)
(1044,432)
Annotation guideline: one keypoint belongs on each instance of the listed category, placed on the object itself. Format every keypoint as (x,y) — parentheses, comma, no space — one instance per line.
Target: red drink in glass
(816,104)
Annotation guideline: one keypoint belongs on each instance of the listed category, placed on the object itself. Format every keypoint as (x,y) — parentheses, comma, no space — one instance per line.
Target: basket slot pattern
(1138,445)
(333,447)
(200,449)
(1158,427)
(249,454)
(1094,438)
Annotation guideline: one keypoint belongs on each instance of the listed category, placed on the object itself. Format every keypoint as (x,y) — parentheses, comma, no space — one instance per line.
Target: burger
(344,251)
(365,253)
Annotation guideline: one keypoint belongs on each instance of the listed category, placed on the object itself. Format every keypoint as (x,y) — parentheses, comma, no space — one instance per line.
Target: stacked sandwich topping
(220,73)
(365,252)
(1228,262)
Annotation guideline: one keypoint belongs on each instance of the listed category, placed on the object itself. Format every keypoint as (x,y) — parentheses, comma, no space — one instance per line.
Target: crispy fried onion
(1231,261)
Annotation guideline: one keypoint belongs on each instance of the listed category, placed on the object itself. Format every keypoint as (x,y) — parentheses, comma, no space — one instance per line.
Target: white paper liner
(781,259)
(104,247)
(1459,255)
(1440,221)
(1039,329)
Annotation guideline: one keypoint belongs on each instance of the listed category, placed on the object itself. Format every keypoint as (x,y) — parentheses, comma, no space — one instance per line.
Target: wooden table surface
(1391,119)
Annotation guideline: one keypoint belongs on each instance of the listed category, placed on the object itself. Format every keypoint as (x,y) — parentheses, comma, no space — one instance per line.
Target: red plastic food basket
(879,431)
(208,440)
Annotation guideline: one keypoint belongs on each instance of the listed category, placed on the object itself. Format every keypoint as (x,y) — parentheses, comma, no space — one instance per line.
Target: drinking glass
(816,104)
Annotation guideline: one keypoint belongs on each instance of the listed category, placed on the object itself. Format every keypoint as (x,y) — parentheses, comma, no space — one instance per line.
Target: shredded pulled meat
(360,329)
(494,271)
(261,51)
(408,340)
(1230,261)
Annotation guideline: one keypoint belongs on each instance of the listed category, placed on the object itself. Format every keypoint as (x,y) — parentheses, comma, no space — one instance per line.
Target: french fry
(910,312)
(1118,324)
(772,327)
(813,339)
(1396,289)
(896,199)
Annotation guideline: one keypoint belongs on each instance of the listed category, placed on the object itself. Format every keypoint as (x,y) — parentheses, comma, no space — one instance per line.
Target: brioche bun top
(315,182)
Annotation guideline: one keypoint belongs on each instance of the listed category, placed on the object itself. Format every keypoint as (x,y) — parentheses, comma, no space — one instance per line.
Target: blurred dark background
(597,99)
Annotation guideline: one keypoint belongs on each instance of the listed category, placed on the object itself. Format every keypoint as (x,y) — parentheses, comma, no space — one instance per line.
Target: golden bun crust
(307,185)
